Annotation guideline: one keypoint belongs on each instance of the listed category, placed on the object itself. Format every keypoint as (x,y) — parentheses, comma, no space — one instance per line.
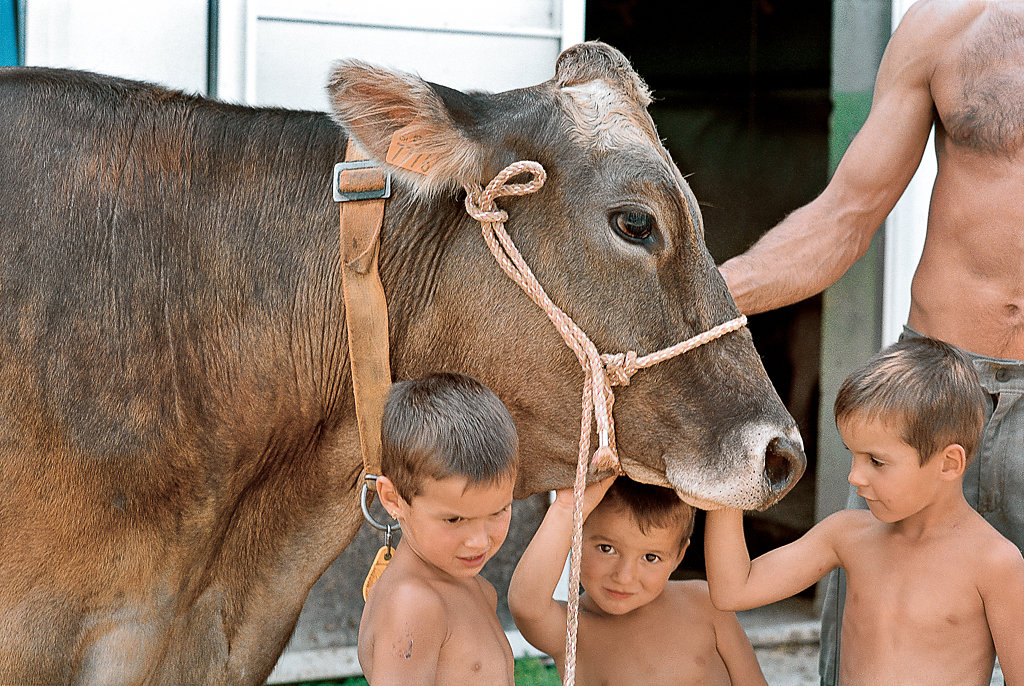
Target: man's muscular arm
(815,245)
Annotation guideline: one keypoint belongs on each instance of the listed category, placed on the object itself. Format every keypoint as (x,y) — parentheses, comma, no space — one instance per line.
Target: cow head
(616,239)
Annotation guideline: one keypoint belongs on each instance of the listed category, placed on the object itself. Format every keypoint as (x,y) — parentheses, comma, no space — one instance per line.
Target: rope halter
(601,372)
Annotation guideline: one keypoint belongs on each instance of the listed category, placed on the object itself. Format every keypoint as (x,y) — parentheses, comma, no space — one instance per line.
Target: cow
(179,455)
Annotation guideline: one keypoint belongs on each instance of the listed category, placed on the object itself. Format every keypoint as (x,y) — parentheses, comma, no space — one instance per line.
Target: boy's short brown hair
(925,389)
(650,507)
(445,425)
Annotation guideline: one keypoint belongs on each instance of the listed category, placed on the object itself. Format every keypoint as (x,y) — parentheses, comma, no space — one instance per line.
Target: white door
(904,231)
(162,42)
(288,46)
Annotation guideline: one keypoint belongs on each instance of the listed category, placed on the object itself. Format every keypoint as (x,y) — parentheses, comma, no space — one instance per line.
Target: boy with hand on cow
(448,463)
(635,626)
(934,592)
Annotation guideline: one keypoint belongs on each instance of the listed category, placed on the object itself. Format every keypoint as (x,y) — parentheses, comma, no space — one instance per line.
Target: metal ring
(366,512)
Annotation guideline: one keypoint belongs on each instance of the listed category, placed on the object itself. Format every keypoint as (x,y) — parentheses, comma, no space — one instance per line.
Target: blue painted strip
(8,34)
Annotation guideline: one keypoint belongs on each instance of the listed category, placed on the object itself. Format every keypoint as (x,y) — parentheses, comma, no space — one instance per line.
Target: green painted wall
(851,309)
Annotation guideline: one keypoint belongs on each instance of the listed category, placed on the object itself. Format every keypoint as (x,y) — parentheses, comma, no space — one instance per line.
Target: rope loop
(480,201)
(484,213)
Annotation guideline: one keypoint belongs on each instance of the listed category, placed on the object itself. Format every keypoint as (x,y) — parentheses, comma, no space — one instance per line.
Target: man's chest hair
(980,92)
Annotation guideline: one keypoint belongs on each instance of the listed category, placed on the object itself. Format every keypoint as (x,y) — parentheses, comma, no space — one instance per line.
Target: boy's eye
(651,557)
(876,462)
(453,520)
(503,511)
(604,547)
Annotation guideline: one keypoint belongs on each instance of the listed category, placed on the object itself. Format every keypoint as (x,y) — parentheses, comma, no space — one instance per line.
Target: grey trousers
(993,485)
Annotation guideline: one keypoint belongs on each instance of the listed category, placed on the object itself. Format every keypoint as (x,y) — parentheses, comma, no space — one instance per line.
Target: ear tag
(379,564)
(407,150)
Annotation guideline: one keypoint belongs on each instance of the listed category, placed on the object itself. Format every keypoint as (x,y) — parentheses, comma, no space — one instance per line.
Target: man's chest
(978,85)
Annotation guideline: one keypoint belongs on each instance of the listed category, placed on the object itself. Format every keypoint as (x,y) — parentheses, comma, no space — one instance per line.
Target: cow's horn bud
(605,459)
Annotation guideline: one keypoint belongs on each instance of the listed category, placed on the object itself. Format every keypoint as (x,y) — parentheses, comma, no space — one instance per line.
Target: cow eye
(634,226)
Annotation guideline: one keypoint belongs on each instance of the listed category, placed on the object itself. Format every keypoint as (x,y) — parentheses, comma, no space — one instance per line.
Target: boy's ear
(954,461)
(682,551)
(390,498)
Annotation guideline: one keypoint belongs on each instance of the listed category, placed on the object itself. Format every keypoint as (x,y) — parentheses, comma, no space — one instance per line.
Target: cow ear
(593,60)
(402,121)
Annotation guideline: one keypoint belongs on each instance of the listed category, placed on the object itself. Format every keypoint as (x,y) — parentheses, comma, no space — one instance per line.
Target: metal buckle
(360,195)
(366,512)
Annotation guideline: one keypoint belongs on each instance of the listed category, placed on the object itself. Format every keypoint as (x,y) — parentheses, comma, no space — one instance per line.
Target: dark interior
(742,100)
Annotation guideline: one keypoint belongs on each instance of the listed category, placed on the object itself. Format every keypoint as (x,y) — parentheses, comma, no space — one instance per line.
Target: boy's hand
(591,496)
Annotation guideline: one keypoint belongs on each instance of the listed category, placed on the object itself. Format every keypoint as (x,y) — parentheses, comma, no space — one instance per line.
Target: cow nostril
(783,462)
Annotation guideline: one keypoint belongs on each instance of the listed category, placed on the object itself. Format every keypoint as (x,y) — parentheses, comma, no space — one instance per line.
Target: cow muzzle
(755,467)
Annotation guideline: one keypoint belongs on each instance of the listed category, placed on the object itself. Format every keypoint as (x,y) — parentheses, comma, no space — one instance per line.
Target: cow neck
(601,372)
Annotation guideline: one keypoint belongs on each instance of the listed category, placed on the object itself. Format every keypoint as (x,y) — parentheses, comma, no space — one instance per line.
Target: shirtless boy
(955,64)
(635,626)
(934,591)
(448,463)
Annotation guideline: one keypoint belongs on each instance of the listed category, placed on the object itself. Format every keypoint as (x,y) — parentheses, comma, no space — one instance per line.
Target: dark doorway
(742,99)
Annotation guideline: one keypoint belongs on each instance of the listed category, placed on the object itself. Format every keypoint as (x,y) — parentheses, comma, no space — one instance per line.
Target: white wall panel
(164,42)
(464,44)
(905,231)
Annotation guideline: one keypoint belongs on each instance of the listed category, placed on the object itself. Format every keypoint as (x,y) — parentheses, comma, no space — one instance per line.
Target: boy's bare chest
(475,648)
(978,87)
(905,609)
(664,650)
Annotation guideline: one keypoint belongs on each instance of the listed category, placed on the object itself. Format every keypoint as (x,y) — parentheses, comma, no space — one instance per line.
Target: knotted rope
(601,372)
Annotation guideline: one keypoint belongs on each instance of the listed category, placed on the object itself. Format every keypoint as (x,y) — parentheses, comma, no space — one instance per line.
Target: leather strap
(366,309)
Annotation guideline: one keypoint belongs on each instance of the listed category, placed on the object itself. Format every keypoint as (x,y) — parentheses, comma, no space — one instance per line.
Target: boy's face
(454,528)
(886,471)
(623,568)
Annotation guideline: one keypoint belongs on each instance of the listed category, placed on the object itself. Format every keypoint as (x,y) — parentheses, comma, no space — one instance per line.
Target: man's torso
(969,286)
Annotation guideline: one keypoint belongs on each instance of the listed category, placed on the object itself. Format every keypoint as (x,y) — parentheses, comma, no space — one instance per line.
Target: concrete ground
(785,639)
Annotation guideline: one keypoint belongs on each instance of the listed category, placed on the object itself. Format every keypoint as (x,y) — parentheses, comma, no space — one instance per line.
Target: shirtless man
(957,64)
(449,455)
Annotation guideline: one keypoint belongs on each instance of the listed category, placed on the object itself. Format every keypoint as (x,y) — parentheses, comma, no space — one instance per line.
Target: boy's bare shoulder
(849,517)
(487,588)
(847,523)
(693,592)
(993,550)
(692,589)
(408,601)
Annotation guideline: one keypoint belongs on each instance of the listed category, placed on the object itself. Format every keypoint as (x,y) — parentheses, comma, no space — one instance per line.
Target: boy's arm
(540,618)
(736,583)
(1003,594)
(736,651)
(407,637)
